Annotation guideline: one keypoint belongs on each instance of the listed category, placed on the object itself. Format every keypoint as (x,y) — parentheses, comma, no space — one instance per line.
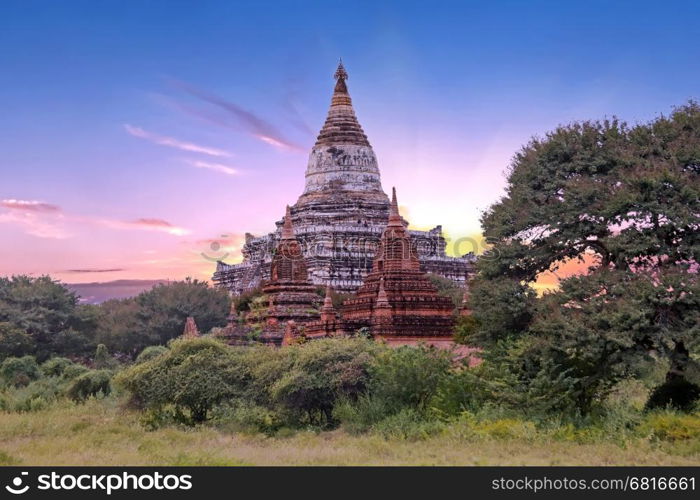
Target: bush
(408,376)
(319,373)
(74,370)
(19,371)
(14,341)
(669,426)
(150,352)
(92,383)
(103,360)
(195,375)
(55,367)
(676,393)
(400,379)
(408,423)
(239,416)
(36,396)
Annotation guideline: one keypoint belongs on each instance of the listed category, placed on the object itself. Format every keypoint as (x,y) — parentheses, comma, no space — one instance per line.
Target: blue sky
(102,102)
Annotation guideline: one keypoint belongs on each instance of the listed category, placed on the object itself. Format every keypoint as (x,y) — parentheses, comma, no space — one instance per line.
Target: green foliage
(402,383)
(102,359)
(120,327)
(92,383)
(55,367)
(408,376)
(45,310)
(336,297)
(318,374)
(244,300)
(624,201)
(195,374)
(19,371)
(150,352)
(447,288)
(36,396)
(14,342)
(74,370)
(164,309)
(156,316)
(671,426)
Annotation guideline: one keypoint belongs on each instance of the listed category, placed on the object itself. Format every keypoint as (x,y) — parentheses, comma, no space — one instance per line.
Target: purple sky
(136,134)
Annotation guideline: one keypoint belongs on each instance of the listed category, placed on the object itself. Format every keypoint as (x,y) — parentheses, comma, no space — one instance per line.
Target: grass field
(104,433)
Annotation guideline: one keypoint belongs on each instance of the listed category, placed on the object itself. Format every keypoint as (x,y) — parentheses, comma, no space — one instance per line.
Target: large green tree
(164,309)
(48,312)
(158,315)
(625,202)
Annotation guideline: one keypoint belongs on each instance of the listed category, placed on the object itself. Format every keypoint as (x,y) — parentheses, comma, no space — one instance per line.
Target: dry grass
(102,433)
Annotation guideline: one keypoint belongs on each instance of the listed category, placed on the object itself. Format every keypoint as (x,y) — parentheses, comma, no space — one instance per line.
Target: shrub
(14,341)
(74,370)
(103,360)
(239,416)
(195,374)
(408,423)
(361,414)
(150,352)
(19,371)
(55,367)
(320,372)
(408,376)
(669,426)
(91,383)
(676,393)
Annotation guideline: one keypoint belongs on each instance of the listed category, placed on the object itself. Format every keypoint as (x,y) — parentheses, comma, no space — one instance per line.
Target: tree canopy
(624,201)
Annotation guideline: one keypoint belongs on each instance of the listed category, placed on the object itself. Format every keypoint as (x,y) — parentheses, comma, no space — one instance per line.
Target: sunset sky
(133,134)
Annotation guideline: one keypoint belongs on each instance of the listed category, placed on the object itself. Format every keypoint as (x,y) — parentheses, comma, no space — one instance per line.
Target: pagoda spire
(382,297)
(394,215)
(340,76)
(341,126)
(287,229)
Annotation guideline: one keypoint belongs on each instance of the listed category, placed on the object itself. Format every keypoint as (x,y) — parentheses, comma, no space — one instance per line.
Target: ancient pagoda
(291,297)
(340,216)
(397,302)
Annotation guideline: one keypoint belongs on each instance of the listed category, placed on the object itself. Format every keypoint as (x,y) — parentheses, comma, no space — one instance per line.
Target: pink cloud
(45,220)
(145,224)
(175,143)
(250,122)
(217,167)
(29,205)
(33,223)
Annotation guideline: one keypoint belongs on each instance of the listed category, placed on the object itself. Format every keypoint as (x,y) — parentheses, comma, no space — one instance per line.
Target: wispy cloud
(29,206)
(254,125)
(46,220)
(145,224)
(217,167)
(81,271)
(175,143)
(33,223)
(37,218)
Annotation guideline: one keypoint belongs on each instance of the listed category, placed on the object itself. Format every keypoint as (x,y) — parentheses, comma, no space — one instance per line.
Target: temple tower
(291,295)
(340,216)
(397,301)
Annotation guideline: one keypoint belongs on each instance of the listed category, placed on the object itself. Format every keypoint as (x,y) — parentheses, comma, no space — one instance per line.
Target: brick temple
(339,218)
(397,302)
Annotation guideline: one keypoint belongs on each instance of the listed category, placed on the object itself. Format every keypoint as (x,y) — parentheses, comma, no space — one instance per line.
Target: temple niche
(340,216)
